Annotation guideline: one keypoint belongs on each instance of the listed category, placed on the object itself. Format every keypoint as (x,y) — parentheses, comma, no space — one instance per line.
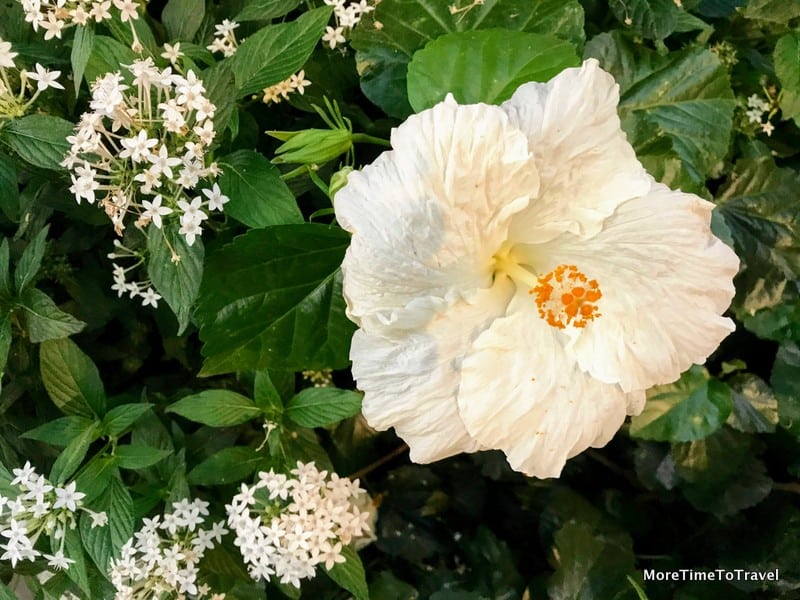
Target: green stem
(369,139)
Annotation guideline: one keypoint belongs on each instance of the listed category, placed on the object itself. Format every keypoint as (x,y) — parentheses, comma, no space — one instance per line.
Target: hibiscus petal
(665,280)
(427,217)
(411,383)
(586,165)
(523,393)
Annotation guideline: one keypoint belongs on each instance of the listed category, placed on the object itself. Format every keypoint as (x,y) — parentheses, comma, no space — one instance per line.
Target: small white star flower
(154,211)
(150,297)
(172,53)
(216,199)
(6,55)
(45,78)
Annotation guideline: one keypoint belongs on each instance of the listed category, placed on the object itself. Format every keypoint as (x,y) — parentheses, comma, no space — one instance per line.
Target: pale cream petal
(427,217)
(665,279)
(586,165)
(410,383)
(523,393)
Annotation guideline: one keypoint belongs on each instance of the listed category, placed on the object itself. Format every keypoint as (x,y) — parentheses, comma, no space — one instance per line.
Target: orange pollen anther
(565,296)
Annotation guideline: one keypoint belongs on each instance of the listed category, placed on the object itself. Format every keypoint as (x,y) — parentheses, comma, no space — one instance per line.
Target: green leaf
(9,188)
(121,418)
(31,261)
(653,19)
(755,408)
(350,575)
(5,274)
(71,379)
(272,299)
(74,550)
(6,593)
(316,407)
(138,456)
(758,208)
(95,477)
(484,66)
(221,91)
(5,340)
(786,58)
(690,409)
(59,432)
(40,140)
(780,322)
(182,18)
(263,10)
(108,55)
(178,281)
(274,52)
(383,53)
(104,543)
(267,398)
(229,465)
(258,195)
(44,320)
(72,456)
(675,106)
(786,384)
(775,11)
(82,44)
(216,408)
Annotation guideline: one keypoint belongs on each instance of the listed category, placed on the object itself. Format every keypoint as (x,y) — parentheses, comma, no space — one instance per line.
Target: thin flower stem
(379,463)
(369,139)
(792,487)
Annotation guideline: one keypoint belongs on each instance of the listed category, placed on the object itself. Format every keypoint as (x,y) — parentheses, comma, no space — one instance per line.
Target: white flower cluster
(756,108)
(162,557)
(122,285)
(39,507)
(347,15)
(13,104)
(224,38)
(54,16)
(143,146)
(280,91)
(285,526)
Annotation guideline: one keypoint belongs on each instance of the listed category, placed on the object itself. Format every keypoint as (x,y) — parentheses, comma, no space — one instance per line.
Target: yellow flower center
(565,296)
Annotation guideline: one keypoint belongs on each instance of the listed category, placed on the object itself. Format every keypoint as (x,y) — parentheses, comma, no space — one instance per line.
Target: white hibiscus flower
(519,280)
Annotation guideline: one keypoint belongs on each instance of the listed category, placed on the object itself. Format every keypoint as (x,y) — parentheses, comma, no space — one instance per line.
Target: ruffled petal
(523,393)
(665,279)
(586,165)
(427,217)
(411,383)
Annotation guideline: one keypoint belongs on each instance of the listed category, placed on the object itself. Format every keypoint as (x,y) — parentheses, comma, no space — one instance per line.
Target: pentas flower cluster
(122,285)
(225,38)
(296,83)
(161,559)
(757,107)
(40,508)
(142,149)
(15,104)
(54,17)
(347,16)
(287,525)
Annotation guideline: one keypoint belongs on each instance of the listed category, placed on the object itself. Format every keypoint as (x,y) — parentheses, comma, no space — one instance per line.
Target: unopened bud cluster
(287,525)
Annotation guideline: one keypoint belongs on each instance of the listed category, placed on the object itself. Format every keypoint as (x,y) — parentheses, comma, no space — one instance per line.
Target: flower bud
(338,181)
(311,146)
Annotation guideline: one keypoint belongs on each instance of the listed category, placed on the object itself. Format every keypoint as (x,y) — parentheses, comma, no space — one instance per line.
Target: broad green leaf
(176,269)
(350,574)
(263,10)
(59,432)
(74,550)
(6,593)
(300,444)
(30,261)
(484,66)
(653,19)
(780,322)
(229,465)
(104,543)
(272,299)
(758,208)
(258,195)
(786,384)
(44,320)
(316,407)
(675,106)
(216,408)
(5,340)
(9,188)
(221,91)
(40,140)
(82,44)
(122,32)
(138,456)
(108,55)
(755,408)
(95,476)
(120,418)
(406,26)
(775,11)
(71,379)
(267,398)
(276,51)
(690,409)
(787,67)
(6,292)
(591,564)
(72,456)
(182,18)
